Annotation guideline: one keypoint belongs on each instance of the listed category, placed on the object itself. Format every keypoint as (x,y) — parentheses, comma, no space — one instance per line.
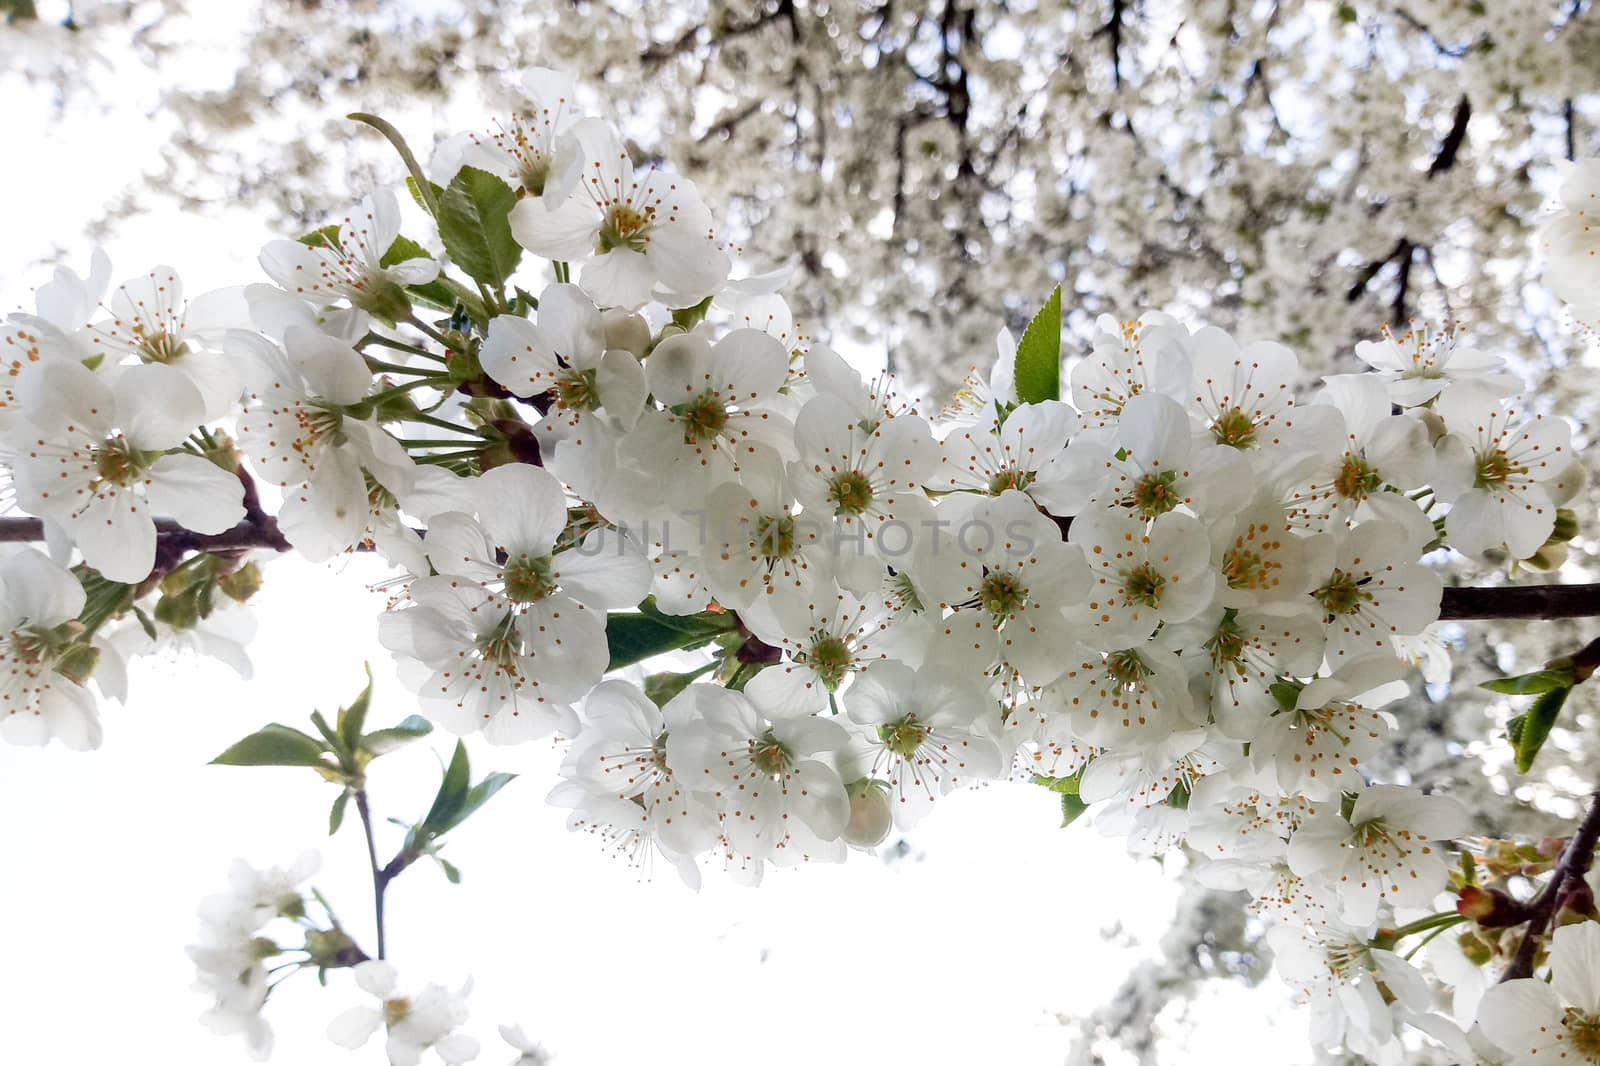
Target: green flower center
(1143,584)
(117,462)
(575,391)
(703,418)
(1010,479)
(830,658)
(1356,480)
(769,756)
(1003,594)
(1234,428)
(626,227)
(159,346)
(850,492)
(775,536)
(395,1010)
(1495,469)
(1227,644)
(903,737)
(1583,1029)
(1342,594)
(529,580)
(1126,668)
(1153,494)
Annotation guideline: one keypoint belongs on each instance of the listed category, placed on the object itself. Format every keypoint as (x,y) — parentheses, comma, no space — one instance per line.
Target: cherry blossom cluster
(1177,591)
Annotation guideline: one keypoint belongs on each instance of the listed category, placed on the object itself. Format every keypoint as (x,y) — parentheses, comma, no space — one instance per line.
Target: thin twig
(380,883)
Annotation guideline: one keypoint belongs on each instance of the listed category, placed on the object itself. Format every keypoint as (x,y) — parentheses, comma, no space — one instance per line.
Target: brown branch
(1450,147)
(1526,601)
(1575,861)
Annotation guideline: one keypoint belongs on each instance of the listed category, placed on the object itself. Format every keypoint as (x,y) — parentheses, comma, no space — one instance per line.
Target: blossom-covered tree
(1154,569)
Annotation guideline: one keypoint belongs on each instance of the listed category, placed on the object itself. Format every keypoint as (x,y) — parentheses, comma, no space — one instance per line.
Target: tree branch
(1575,860)
(1525,601)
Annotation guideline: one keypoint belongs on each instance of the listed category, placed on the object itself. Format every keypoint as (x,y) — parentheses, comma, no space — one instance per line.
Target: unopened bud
(1490,907)
(77,663)
(869,813)
(626,331)
(242,583)
(333,948)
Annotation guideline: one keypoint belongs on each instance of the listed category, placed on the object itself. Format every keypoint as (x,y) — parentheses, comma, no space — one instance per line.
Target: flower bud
(869,813)
(78,662)
(241,584)
(626,331)
(1490,907)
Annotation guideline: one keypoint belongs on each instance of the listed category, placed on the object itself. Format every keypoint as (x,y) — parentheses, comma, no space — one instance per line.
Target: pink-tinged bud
(1490,907)
(869,814)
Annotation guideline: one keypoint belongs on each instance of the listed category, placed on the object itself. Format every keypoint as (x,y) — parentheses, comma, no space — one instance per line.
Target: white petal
(196,492)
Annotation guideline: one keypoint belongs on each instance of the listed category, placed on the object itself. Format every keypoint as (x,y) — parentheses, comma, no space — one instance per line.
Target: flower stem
(380,879)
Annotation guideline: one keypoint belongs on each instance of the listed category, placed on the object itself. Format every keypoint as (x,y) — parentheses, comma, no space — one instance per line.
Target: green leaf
(1071,808)
(452,791)
(1536,724)
(1531,684)
(323,237)
(18,10)
(425,187)
(382,741)
(475,225)
(275,745)
(636,637)
(451,874)
(476,797)
(329,734)
(336,815)
(1038,361)
(351,719)
(434,190)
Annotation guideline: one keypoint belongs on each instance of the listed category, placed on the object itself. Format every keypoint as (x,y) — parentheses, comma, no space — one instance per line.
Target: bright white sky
(966,950)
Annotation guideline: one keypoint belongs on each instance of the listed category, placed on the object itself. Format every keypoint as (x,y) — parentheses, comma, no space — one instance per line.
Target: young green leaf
(452,792)
(476,797)
(351,719)
(1533,684)
(336,815)
(275,745)
(475,225)
(633,638)
(1038,359)
(382,741)
(1537,722)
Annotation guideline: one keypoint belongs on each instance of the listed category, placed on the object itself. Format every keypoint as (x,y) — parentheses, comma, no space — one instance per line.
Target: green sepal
(686,318)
